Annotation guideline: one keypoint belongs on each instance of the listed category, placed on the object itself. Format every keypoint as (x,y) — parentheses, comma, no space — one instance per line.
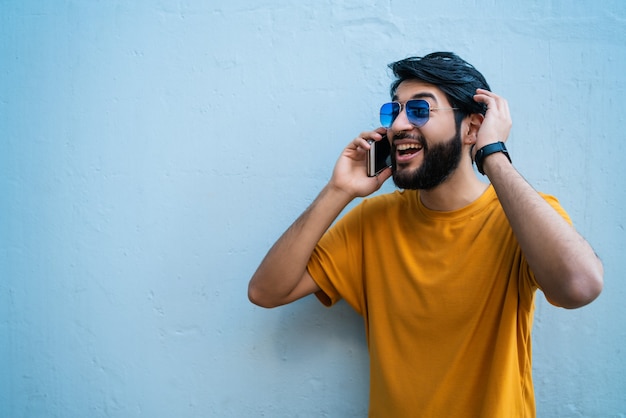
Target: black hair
(455,77)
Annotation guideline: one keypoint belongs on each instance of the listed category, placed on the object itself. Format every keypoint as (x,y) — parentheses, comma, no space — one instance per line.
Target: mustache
(405,135)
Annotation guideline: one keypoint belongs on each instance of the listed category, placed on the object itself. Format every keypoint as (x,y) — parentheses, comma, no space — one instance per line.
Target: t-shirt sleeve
(337,261)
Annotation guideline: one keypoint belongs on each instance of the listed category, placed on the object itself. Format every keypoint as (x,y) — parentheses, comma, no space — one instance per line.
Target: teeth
(404,147)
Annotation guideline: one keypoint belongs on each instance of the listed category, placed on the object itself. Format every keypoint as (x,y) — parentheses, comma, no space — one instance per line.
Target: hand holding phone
(379,156)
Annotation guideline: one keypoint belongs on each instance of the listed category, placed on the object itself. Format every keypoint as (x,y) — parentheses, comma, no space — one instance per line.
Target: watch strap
(487,150)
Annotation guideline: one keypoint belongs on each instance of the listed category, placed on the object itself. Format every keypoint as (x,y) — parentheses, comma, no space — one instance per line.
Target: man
(443,271)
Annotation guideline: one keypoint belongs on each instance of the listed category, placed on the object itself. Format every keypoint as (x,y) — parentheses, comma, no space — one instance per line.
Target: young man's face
(423,157)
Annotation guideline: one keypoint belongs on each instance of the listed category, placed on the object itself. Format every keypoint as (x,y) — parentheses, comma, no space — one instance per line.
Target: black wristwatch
(488,150)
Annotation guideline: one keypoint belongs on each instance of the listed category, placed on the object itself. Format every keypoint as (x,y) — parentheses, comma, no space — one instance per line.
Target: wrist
(486,151)
(338,193)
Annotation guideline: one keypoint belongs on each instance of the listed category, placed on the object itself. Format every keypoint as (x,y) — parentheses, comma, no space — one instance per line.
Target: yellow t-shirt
(447,299)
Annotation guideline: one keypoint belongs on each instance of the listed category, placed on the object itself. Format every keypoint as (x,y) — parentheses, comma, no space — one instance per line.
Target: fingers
(383,175)
(492,100)
(361,142)
(497,123)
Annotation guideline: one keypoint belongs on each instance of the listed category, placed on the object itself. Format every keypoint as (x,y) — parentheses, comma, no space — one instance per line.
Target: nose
(401,122)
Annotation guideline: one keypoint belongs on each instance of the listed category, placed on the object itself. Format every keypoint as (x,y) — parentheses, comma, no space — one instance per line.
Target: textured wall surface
(152,151)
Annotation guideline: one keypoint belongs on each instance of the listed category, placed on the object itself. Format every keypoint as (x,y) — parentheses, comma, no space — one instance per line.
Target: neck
(458,191)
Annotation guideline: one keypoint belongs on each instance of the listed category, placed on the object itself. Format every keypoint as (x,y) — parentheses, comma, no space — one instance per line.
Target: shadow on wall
(309,326)
(310,333)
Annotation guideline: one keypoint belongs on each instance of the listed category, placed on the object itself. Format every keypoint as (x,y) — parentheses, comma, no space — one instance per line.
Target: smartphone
(379,156)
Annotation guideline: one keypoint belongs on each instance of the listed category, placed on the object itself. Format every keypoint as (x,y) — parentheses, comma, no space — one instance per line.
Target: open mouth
(406,152)
(408,149)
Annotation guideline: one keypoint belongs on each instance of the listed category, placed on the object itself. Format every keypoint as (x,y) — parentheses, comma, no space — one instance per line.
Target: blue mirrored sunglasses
(417,112)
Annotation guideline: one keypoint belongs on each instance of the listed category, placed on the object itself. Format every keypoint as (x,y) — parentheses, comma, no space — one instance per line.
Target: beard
(440,160)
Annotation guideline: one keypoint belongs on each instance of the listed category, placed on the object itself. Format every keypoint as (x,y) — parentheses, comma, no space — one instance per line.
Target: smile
(406,152)
(404,149)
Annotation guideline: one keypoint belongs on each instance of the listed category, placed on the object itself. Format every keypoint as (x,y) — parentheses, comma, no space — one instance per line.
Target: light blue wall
(152,151)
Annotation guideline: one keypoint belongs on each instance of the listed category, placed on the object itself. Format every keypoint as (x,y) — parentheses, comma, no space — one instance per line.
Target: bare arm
(565,266)
(282,276)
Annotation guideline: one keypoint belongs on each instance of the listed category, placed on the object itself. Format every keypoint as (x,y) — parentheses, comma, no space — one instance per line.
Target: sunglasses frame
(417,121)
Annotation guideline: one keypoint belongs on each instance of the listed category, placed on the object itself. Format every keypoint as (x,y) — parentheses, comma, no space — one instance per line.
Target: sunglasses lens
(417,112)
(388,113)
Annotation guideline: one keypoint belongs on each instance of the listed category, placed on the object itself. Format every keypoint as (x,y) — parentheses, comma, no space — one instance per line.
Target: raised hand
(497,123)
(350,174)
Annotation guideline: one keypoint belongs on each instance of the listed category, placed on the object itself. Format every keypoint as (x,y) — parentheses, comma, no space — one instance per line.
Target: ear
(471,126)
